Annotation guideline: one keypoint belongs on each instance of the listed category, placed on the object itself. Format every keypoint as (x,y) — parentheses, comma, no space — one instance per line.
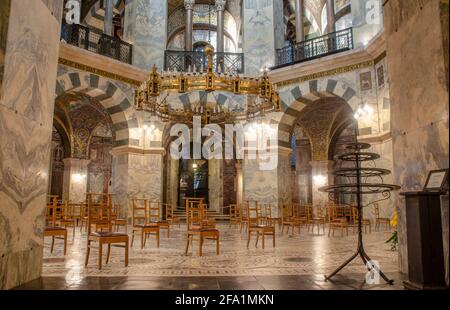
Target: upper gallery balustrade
(325,45)
(197,61)
(97,42)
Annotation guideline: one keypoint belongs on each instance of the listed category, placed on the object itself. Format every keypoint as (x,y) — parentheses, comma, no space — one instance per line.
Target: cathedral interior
(224,144)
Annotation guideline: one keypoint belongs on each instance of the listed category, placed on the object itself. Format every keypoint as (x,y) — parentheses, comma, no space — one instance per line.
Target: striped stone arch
(96,15)
(295,98)
(117,104)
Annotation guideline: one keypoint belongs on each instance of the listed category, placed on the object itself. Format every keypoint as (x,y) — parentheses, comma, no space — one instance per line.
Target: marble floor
(298,261)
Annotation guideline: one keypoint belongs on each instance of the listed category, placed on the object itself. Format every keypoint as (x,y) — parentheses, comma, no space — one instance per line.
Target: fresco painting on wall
(366,81)
(380,76)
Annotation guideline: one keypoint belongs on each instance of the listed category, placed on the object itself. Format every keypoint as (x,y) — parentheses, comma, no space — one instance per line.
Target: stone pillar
(331,19)
(299,21)
(189,6)
(215,184)
(220,7)
(75,179)
(259,35)
(137,172)
(303,172)
(29,46)
(321,176)
(145,28)
(50,168)
(109,13)
(239,184)
(419,120)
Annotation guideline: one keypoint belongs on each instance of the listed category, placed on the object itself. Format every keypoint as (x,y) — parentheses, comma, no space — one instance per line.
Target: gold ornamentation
(151,96)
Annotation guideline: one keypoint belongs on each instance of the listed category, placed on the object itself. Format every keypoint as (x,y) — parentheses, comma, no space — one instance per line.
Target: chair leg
(100,250)
(73,235)
(273,238)
(187,245)
(257,238)
(108,252)
(168,231)
(157,239)
(126,253)
(143,239)
(88,250)
(132,237)
(65,242)
(217,245)
(53,244)
(263,240)
(248,239)
(200,245)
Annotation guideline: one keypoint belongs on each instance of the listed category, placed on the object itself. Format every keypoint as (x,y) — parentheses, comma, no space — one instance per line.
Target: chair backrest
(51,212)
(232,208)
(253,213)
(354,214)
(99,211)
(376,209)
(64,211)
(169,211)
(140,211)
(195,215)
(268,211)
(154,212)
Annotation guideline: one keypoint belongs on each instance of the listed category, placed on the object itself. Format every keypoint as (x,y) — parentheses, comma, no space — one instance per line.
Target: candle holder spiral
(361,181)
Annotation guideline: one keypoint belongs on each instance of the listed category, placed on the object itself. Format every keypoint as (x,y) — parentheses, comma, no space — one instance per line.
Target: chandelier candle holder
(151,96)
(362,181)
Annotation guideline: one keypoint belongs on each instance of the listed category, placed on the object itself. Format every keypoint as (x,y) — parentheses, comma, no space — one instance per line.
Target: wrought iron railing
(328,44)
(97,42)
(197,61)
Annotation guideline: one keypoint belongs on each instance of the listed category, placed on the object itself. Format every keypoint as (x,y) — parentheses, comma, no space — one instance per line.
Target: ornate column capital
(220,5)
(189,4)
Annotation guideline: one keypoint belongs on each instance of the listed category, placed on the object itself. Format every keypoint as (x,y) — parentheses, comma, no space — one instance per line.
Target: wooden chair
(234,214)
(99,212)
(337,221)
(288,220)
(51,229)
(170,217)
(64,216)
(76,212)
(84,216)
(154,213)
(380,220)
(117,220)
(140,222)
(364,222)
(199,226)
(243,218)
(254,225)
(319,219)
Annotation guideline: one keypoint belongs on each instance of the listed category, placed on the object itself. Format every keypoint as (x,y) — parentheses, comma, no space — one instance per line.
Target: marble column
(321,176)
(220,7)
(137,173)
(215,184)
(303,172)
(189,6)
(75,179)
(29,58)
(331,18)
(239,184)
(258,35)
(299,21)
(108,21)
(146,29)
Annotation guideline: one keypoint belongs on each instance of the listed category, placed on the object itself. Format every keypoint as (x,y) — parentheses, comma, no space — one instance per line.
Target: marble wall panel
(26,111)
(418,97)
(145,28)
(5,6)
(215,184)
(258,37)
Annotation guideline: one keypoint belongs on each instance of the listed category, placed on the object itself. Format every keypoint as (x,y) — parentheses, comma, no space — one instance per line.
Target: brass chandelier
(152,95)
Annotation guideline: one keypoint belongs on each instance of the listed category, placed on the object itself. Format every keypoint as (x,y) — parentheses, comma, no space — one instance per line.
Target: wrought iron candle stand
(362,181)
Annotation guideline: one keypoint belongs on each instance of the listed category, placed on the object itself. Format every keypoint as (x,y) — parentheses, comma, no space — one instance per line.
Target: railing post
(86,37)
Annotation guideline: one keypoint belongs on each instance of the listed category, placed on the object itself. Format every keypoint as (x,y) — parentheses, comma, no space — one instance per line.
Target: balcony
(325,45)
(230,63)
(97,42)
